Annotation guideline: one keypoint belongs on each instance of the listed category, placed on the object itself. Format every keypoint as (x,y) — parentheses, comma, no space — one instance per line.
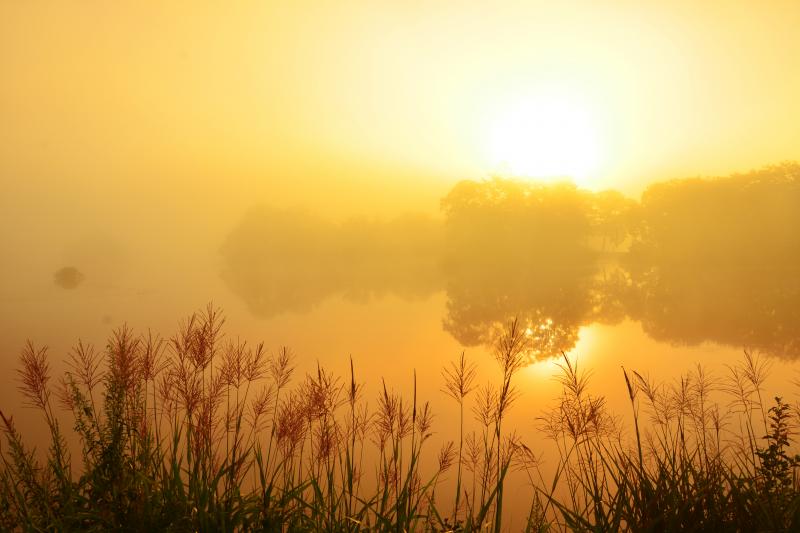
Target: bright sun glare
(545,139)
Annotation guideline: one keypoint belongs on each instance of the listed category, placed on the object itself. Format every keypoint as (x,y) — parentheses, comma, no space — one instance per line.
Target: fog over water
(695,271)
(695,261)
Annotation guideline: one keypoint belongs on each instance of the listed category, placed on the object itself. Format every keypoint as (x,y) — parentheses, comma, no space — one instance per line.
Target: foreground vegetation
(196,433)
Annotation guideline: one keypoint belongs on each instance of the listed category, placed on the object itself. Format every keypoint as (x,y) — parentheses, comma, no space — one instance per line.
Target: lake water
(403,298)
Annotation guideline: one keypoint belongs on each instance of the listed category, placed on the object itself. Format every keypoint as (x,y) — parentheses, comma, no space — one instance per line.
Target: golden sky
(193,111)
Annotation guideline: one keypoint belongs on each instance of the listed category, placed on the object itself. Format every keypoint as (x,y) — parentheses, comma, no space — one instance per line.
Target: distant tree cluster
(695,260)
(745,218)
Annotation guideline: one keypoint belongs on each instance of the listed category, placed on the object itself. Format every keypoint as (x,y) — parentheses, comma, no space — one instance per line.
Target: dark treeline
(702,259)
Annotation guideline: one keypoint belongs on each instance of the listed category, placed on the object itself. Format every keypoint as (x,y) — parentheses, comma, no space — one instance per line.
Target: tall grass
(201,432)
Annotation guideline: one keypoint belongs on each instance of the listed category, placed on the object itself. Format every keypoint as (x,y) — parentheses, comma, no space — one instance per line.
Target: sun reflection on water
(546,368)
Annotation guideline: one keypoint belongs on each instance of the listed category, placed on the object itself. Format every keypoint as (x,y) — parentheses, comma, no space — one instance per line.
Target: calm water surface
(410,294)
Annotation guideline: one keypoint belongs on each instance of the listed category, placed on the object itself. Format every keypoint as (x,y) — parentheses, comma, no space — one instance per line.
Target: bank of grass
(200,433)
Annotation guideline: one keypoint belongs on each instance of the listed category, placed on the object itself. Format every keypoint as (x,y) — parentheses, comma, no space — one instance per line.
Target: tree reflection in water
(696,260)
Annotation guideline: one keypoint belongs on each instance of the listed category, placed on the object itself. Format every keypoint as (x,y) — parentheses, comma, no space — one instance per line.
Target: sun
(546,139)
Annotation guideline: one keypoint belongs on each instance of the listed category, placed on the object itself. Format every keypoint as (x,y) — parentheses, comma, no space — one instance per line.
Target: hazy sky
(163,121)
